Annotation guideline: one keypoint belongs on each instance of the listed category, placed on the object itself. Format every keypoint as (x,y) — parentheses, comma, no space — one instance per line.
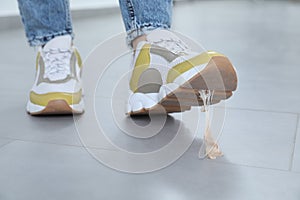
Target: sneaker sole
(187,95)
(55,107)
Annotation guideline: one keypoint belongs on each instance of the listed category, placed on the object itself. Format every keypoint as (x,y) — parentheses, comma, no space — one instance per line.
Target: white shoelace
(175,46)
(57,63)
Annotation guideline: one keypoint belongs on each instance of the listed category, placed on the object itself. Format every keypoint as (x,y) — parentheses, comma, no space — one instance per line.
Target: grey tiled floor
(43,158)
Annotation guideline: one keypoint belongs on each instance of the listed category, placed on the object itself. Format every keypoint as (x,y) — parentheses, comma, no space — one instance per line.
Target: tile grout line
(52,143)
(262,110)
(1,147)
(251,166)
(294,145)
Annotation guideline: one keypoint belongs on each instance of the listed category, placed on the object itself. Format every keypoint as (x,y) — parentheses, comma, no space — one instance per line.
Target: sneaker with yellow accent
(57,88)
(168,76)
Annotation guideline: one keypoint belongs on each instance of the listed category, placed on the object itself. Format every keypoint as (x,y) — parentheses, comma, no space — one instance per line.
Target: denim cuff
(143,30)
(43,39)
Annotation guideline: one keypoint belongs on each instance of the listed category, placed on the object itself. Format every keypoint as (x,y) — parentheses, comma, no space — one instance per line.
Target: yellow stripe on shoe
(78,58)
(200,59)
(141,64)
(37,60)
(43,99)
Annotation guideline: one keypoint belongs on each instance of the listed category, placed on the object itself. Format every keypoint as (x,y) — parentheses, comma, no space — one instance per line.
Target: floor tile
(17,124)
(44,171)
(260,139)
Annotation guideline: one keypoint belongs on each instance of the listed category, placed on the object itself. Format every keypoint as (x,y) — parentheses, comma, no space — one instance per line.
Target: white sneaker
(167,75)
(57,88)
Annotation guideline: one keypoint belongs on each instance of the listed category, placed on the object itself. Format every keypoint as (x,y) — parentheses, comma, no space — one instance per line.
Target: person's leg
(44,20)
(141,17)
(57,86)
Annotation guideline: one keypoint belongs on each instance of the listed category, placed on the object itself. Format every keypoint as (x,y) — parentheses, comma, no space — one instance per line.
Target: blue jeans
(46,19)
